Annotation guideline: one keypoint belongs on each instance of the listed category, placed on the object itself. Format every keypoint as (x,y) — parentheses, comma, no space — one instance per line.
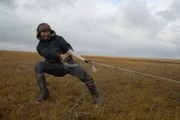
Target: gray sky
(134,28)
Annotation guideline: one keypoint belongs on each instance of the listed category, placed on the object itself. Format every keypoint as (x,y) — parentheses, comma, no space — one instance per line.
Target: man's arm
(65,45)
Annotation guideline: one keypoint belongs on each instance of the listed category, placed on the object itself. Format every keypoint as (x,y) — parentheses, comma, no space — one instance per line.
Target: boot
(43,89)
(92,89)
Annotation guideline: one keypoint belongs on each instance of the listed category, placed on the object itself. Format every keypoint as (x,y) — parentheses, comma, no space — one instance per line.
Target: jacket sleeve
(46,53)
(65,45)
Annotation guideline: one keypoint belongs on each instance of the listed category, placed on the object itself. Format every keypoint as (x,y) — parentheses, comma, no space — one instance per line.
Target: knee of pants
(39,67)
(86,78)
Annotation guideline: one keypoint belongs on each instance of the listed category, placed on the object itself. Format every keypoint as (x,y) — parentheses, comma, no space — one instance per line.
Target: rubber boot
(43,89)
(92,89)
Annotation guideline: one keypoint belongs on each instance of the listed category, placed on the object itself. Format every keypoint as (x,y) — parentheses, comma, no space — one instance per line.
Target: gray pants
(57,69)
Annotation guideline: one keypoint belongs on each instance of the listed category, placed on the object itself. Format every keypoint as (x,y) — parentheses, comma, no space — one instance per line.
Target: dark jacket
(52,48)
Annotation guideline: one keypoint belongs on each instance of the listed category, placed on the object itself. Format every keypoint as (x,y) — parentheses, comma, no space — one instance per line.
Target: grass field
(125,95)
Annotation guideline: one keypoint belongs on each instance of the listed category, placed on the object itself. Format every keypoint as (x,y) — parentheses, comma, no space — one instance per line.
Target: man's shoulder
(39,43)
(58,36)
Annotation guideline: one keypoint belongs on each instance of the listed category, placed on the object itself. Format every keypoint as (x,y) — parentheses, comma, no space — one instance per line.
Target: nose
(46,32)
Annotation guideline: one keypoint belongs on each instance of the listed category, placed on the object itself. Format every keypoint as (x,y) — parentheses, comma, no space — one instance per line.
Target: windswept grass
(126,96)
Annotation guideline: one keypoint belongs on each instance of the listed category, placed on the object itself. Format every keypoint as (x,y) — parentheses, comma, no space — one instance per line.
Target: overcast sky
(133,28)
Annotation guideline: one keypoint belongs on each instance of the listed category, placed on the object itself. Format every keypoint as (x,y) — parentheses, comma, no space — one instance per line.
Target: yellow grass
(126,96)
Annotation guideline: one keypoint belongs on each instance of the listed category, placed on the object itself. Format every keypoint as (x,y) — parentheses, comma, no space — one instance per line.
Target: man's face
(45,35)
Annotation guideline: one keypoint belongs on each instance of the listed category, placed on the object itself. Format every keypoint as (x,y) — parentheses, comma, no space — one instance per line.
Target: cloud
(99,27)
(10,4)
(172,13)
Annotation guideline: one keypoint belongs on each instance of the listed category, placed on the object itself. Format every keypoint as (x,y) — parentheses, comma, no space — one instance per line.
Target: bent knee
(38,65)
(86,79)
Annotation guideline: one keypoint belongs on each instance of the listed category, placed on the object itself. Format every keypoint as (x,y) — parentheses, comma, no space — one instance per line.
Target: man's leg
(81,73)
(39,72)
(41,67)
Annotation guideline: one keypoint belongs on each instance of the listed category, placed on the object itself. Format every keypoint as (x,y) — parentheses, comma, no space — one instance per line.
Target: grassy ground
(126,96)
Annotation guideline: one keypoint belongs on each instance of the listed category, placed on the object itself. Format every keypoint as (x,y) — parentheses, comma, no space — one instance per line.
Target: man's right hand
(63,56)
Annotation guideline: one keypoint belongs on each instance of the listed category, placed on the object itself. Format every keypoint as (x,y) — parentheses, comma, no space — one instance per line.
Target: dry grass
(126,96)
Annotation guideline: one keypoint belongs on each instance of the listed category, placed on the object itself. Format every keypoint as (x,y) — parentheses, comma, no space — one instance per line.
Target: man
(58,62)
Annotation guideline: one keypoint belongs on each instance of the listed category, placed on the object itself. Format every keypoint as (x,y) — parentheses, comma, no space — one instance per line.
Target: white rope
(76,55)
(153,76)
(81,58)
(94,69)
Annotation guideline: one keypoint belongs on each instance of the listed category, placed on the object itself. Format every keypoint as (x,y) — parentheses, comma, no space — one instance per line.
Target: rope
(127,70)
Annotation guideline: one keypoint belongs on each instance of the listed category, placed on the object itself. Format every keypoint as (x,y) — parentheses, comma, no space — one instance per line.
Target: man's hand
(88,61)
(65,56)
